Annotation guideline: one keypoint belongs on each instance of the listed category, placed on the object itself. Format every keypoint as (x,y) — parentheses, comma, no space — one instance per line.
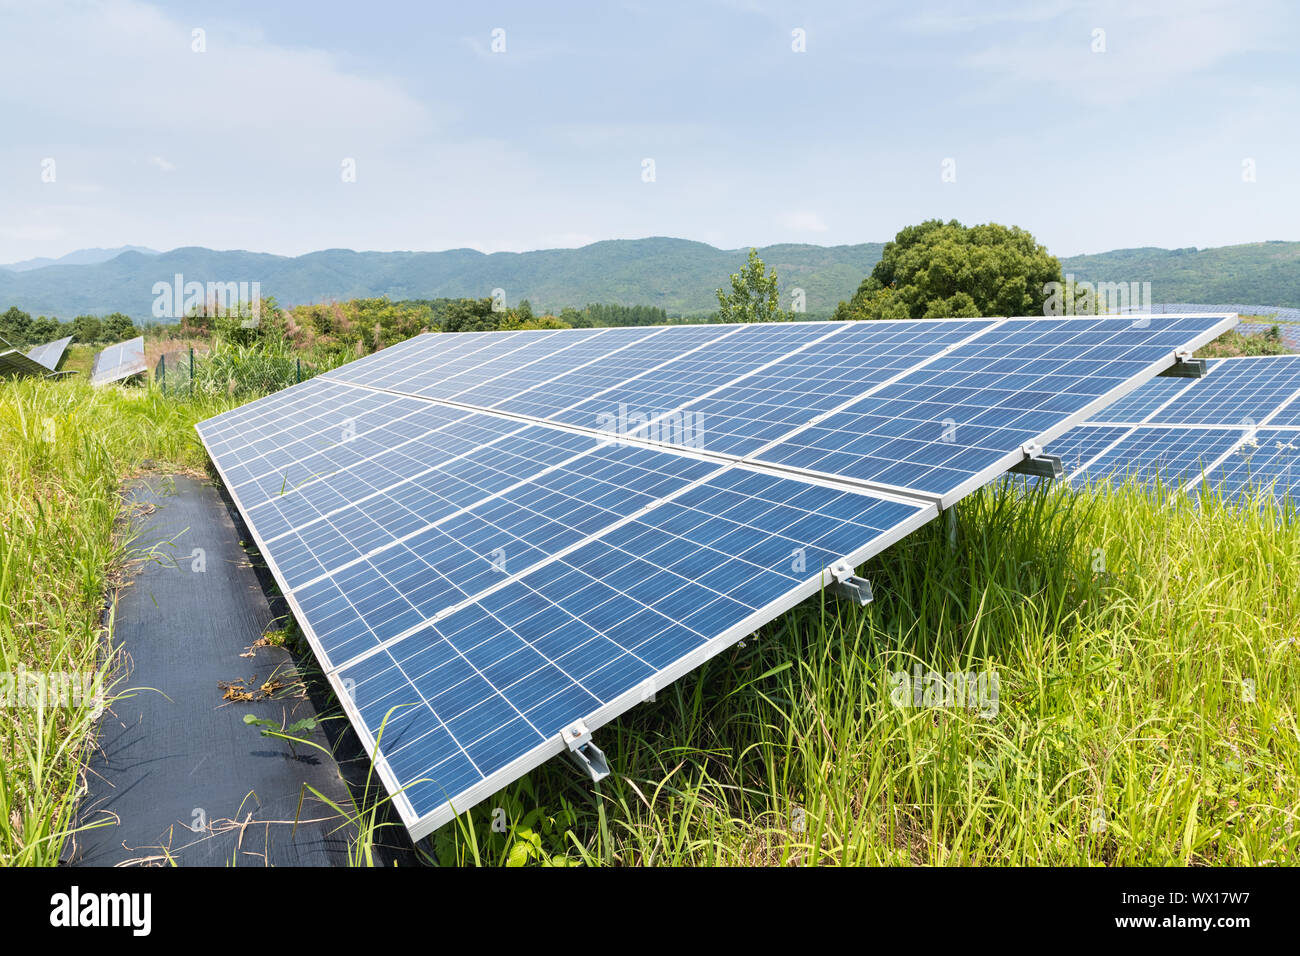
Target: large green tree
(15,324)
(117,327)
(754,295)
(87,329)
(944,269)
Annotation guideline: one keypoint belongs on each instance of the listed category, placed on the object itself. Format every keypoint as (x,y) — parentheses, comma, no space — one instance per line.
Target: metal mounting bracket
(1185,367)
(585,754)
(847,586)
(1037,464)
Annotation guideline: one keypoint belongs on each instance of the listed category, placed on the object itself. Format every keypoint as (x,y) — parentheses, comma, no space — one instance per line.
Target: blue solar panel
(1153,455)
(416,531)
(1080,445)
(764,405)
(1288,332)
(951,425)
(1147,400)
(489,687)
(1240,391)
(1265,463)
(1288,414)
(1236,392)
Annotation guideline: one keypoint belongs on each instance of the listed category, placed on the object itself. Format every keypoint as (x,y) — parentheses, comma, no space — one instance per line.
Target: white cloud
(1147,49)
(162,164)
(241,85)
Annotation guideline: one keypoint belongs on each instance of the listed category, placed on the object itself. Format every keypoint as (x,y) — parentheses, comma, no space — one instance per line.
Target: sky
(292,127)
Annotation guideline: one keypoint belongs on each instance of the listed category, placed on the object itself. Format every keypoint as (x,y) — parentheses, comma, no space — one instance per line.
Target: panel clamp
(1037,464)
(585,754)
(1185,367)
(847,586)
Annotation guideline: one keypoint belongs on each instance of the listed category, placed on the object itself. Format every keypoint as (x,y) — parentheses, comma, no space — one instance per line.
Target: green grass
(67,449)
(1147,659)
(1123,634)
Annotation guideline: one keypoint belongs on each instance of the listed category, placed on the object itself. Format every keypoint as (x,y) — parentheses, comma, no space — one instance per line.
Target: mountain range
(81,257)
(678,275)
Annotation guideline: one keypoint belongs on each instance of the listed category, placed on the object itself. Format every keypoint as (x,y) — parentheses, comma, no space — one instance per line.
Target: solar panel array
(50,354)
(491,537)
(119,361)
(15,363)
(1235,430)
(1278,312)
(1288,332)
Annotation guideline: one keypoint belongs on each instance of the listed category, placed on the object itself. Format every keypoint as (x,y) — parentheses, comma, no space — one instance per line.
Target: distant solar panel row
(50,354)
(118,362)
(1280,313)
(1288,332)
(15,363)
(1235,429)
(499,534)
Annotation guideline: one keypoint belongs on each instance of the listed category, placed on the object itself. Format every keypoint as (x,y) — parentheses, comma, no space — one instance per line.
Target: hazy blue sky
(242,146)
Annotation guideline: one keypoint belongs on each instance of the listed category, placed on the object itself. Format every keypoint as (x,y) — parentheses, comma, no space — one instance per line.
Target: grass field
(1147,662)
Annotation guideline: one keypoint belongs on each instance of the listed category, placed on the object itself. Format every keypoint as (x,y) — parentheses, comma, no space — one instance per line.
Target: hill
(1263,272)
(81,257)
(675,274)
(678,275)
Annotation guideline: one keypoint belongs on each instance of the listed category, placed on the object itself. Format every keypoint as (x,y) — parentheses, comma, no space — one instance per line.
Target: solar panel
(959,421)
(119,361)
(1170,456)
(489,532)
(600,630)
(15,363)
(1080,445)
(51,353)
(1231,429)
(1288,332)
(1238,391)
(1265,462)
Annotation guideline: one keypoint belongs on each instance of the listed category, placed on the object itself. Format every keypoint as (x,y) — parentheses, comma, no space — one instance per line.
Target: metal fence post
(191,370)
(297,375)
(162,373)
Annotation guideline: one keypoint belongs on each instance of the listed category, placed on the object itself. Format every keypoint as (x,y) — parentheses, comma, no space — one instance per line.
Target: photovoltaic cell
(950,426)
(1167,456)
(51,353)
(14,362)
(1235,392)
(1147,400)
(1264,463)
(754,410)
(1080,445)
(1225,452)
(119,361)
(462,541)
(407,579)
(674,383)
(491,685)
(546,400)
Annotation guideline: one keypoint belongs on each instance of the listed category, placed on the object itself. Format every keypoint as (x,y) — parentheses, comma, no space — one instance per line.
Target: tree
(947,270)
(754,295)
(15,325)
(43,330)
(117,328)
(471,315)
(86,329)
